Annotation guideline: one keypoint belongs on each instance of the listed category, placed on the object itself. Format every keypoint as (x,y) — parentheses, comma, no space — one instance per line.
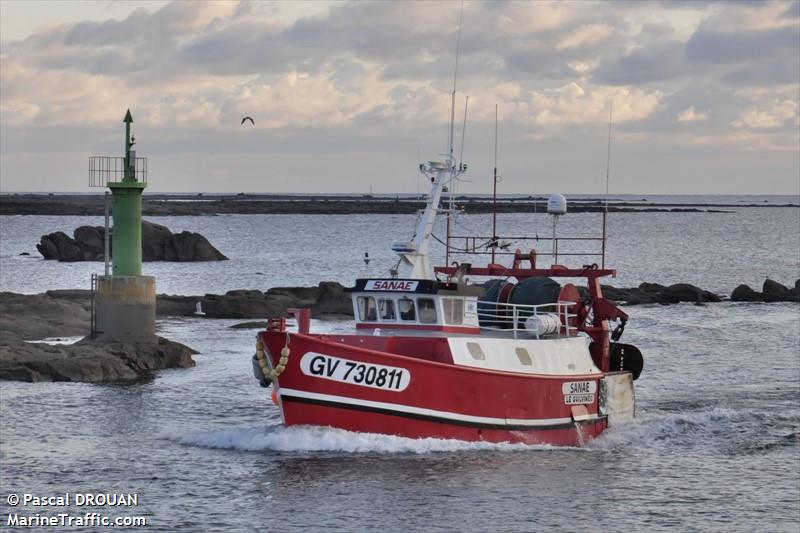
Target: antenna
(463,132)
(455,79)
(419,169)
(608,173)
(556,206)
(494,195)
(450,154)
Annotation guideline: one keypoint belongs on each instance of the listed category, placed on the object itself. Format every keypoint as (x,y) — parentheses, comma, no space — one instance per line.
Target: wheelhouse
(415,304)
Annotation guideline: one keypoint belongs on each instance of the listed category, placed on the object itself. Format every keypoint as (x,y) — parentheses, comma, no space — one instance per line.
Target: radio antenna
(455,80)
(494,194)
(608,174)
(463,131)
(450,155)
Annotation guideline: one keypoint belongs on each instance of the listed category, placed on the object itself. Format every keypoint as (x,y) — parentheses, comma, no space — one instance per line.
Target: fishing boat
(516,358)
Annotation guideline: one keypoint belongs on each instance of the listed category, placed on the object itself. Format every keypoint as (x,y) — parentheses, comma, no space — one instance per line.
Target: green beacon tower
(125,300)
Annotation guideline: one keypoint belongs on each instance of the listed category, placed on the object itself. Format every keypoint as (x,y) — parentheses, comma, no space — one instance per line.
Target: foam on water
(58,340)
(707,430)
(323,439)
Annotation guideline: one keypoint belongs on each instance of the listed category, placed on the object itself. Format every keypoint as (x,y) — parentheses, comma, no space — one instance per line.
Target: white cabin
(415,304)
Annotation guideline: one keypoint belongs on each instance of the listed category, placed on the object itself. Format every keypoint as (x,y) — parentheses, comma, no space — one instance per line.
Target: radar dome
(557,204)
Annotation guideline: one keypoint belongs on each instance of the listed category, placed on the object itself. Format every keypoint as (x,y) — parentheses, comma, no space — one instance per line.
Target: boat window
(366,309)
(453,310)
(406,308)
(475,351)
(523,356)
(427,310)
(386,309)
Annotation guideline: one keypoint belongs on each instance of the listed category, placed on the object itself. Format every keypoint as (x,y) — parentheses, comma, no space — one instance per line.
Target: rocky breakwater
(158,244)
(651,293)
(328,300)
(25,318)
(771,291)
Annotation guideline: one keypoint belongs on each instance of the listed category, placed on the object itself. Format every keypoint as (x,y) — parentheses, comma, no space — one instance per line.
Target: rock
(188,246)
(297,297)
(652,288)
(91,239)
(327,299)
(47,247)
(24,253)
(772,292)
(631,296)
(250,325)
(332,299)
(775,292)
(743,293)
(60,246)
(25,317)
(154,238)
(648,293)
(249,305)
(37,316)
(684,292)
(234,304)
(158,244)
(92,361)
(245,293)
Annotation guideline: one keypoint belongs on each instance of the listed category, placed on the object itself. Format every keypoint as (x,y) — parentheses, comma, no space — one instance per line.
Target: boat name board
(391,285)
(382,377)
(579,392)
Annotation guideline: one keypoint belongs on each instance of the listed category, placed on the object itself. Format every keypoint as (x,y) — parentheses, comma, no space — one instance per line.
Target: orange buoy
(274,395)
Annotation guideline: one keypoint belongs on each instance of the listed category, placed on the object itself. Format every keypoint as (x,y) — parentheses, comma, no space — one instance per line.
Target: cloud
(572,104)
(717,47)
(690,115)
(586,35)
(780,70)
(361,76)
(792,12)
(645,65)
(774,116)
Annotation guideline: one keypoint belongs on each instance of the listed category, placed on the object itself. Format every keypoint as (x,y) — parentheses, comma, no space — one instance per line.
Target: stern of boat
(617,397)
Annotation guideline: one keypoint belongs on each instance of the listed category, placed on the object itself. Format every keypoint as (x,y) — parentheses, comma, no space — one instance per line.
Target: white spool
(542,324)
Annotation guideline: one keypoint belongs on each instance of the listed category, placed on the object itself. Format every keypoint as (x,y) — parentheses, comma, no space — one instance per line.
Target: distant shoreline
(212,204)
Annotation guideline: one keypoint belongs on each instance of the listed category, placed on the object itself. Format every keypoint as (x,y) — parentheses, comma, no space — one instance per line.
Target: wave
(715,430)
(711,430)
(324,439)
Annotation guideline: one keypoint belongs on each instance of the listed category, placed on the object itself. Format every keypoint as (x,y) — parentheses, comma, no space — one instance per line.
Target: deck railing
(555,318)
(482,245)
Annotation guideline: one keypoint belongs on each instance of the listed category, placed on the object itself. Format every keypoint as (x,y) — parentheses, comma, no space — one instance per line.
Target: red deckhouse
(435,356)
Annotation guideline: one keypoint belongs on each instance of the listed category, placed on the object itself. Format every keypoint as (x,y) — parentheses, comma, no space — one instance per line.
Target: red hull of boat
(440,400)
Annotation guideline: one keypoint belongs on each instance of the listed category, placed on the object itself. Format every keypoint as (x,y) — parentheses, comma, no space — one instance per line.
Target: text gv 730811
(383,377)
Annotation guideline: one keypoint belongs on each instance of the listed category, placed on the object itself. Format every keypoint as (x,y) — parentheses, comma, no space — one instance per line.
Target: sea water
(714,447)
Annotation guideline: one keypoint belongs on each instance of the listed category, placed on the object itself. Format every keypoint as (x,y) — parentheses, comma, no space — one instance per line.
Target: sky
(349,97)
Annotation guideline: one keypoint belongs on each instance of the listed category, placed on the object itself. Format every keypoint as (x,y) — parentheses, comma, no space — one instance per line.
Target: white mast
(414,262)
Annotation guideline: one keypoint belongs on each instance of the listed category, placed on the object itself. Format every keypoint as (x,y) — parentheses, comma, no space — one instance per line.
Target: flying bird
(250,119)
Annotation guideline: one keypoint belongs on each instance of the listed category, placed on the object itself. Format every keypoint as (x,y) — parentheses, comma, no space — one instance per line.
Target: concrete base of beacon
(126,307)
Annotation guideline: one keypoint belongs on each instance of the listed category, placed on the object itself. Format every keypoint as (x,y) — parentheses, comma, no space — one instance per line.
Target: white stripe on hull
(432,412)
